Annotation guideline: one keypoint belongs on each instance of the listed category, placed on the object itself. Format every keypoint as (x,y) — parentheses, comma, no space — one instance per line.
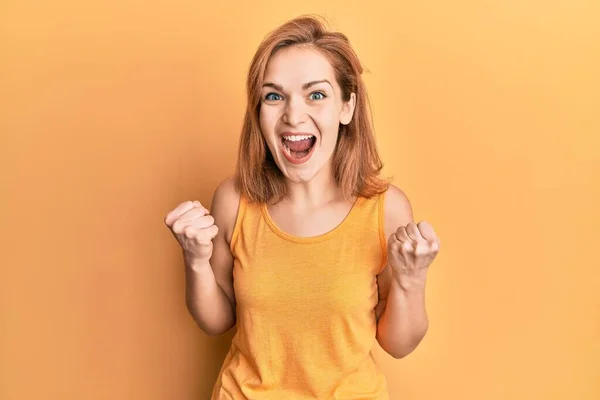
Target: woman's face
(300,111)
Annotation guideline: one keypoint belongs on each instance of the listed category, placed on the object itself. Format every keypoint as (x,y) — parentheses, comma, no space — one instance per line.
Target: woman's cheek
(267,122)
(328,116)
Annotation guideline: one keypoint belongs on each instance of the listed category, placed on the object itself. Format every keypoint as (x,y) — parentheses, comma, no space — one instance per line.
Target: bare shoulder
(397,210)
(224,208)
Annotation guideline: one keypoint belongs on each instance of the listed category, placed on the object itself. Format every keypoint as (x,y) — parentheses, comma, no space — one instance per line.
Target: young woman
(306,248)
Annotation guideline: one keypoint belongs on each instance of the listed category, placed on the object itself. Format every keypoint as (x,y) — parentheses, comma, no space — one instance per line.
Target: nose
(294,112)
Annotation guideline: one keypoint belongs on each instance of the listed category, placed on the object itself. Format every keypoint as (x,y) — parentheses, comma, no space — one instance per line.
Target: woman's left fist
(411,250)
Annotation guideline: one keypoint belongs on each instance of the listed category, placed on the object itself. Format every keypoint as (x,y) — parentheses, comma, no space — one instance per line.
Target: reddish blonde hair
(356,163)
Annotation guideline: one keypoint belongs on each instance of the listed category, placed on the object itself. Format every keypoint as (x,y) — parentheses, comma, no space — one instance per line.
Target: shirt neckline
(308,239)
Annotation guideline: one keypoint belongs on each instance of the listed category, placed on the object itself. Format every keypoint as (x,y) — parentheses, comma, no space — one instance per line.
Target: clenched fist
(194,229)
(412,249)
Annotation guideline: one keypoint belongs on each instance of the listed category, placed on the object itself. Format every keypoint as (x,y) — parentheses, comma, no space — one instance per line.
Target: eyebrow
(304,87)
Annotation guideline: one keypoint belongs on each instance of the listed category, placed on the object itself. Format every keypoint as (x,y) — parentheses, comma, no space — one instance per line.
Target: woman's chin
(302,174)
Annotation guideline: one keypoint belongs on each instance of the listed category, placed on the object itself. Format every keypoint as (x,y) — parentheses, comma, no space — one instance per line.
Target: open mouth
(298,148)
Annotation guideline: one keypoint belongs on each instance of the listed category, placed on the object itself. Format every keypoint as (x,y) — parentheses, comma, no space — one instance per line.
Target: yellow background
(113,112)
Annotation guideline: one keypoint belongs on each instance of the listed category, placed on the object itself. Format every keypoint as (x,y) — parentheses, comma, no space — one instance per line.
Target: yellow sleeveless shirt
(305,309)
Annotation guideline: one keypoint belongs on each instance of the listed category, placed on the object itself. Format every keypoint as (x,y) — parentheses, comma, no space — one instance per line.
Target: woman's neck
(320,190)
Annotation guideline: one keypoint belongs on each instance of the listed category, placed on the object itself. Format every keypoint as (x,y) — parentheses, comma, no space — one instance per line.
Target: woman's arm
(209,296)
(401,315)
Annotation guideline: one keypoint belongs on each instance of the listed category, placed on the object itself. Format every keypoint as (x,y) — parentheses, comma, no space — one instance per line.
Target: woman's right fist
(194,229)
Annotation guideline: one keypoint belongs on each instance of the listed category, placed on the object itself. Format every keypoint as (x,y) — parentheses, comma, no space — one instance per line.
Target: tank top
(305,309)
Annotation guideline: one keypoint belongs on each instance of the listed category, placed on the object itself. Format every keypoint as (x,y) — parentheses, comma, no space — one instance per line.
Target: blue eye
(270,96)
(321,94)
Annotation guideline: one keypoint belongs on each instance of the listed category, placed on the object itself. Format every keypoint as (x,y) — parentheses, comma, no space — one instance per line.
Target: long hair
(356,163)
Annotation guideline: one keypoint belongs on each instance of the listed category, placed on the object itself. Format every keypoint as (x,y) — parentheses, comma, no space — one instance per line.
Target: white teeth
(297,138)
(287,150)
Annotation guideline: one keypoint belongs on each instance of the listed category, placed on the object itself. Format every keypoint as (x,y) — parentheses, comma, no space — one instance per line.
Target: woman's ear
(348,110)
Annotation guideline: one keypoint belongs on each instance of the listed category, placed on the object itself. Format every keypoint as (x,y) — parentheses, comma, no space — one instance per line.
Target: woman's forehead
(296,66)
